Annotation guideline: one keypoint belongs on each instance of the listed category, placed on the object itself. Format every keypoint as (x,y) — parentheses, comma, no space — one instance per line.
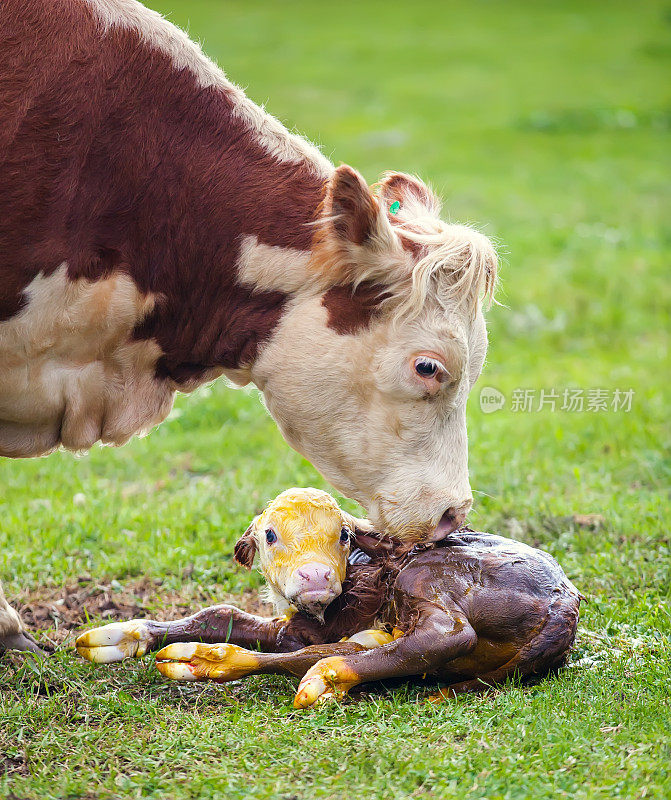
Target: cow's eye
(271,536)
(426,367)
(344,536)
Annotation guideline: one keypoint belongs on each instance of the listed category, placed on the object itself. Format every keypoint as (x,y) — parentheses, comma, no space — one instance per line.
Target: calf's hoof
(328,679)
(114,642)
(21,641)
(192,661)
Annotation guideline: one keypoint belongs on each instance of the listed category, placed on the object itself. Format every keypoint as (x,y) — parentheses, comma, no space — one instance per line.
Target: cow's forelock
(392,239)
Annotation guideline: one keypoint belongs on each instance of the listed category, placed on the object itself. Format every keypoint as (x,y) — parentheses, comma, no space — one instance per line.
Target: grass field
(548,124)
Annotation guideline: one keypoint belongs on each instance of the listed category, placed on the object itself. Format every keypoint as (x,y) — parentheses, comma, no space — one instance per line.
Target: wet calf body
(472,610)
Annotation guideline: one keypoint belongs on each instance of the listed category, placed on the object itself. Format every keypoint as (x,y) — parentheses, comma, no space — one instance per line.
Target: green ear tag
(394,207)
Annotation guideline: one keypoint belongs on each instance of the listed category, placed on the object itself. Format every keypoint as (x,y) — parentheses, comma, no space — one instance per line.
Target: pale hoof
(328,679)
(192,661)
(114,642)
(173,661)
(177,671)
(311,691)
(178,651)
(371,639)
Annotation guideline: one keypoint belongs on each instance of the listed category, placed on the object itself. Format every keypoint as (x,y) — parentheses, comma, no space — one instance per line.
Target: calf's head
(302,539)
(369,370)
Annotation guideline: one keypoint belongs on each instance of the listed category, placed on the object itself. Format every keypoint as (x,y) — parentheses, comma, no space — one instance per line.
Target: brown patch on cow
(115,160)
(353,309)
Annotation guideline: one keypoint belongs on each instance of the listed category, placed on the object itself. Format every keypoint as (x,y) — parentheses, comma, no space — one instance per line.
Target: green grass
(547,123)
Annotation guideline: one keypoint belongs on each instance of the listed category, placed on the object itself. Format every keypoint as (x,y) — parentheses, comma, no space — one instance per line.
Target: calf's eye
(271,536)
(344,536)
(426,367)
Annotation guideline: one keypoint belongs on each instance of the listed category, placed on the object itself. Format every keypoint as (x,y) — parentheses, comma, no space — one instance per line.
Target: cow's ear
(245,547)
(354,210)
(405,197)
(355,241)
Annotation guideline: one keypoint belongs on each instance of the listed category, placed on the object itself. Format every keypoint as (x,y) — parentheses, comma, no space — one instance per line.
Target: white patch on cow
(348,403)
(272,269)
(187,54)
(71,373)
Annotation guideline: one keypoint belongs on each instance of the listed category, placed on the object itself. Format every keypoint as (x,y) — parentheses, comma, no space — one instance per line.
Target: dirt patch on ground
(16,765)
(58,611)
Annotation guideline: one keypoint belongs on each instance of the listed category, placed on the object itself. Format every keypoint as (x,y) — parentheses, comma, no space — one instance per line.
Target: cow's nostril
(448,520)
(452,519)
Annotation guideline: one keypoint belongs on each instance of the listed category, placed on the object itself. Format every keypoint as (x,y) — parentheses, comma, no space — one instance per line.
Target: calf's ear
(358,525)
(245,548)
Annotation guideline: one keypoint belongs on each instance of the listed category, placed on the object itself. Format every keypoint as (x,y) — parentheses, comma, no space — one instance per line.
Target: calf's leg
(438,637)
(190,661)
(132,639)
(13,636)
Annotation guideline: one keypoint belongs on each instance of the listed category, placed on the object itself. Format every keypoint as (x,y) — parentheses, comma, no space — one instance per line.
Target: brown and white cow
(158,230)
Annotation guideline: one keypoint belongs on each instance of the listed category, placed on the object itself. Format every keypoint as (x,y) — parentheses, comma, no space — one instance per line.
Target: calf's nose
(312,587)
(315,575)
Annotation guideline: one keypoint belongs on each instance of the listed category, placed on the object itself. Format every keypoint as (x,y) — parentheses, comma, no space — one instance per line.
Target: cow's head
(302,539)
(368,372)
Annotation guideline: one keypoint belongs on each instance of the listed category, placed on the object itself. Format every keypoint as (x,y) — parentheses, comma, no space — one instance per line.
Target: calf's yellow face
(302,539)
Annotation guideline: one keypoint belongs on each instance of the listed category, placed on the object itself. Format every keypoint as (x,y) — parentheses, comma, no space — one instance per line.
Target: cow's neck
(232,291)
(160,226)
(224,237)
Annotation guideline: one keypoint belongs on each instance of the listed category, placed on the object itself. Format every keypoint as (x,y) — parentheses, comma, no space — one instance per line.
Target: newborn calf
(471,609)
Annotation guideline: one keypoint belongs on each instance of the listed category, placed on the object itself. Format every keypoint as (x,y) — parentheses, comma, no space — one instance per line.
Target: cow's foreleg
(438,637)
(13,636)
(134,638)
(190,661)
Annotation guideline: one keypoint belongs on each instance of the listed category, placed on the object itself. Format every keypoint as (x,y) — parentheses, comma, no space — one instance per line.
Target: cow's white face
(370,413)
(380,408)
